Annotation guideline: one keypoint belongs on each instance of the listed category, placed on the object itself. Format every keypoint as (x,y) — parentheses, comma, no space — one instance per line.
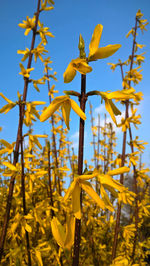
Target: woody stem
(80,170)
(16,152)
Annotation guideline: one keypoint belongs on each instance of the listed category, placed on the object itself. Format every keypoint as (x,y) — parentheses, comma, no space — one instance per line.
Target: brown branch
(60,144)
(23,182)
(98,141)
(16,152)
(117,226)
(49,179)
(136,198)
(80,169)
(53,138)
(94,148)
(70,161)
(105,167)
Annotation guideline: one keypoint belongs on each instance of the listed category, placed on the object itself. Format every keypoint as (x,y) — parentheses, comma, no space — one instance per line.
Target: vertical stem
(61,144)
(70,161)
(140,163)
(73,162)
(98,150)
(53,137)
(94,148)
(111,143)
(98,141)
(136,198)
(80,169)
(105,145)
(23,183)
(49,179)
(16,152)
(117,227)
(108,146)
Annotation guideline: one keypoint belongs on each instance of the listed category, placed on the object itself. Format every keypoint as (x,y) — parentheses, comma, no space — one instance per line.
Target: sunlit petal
(109,110)
(81,66)
(77,109)
(76,207)
(69,74)
(58,232)
(70,227)
(66,107)
(52,108)
(91,192)
(95,39)
(105,52)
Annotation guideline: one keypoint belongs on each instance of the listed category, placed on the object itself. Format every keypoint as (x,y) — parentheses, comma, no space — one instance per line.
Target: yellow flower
(44,31)
(38,52)
(117,95)
(25,72)
(64,239)
(103,52)
(78,64)
(25,53)
(52,91)
(66,104)
(75,189)
(81,64)
(28,25)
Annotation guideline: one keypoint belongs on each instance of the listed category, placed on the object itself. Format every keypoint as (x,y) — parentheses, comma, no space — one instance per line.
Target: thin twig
(23,182)
(117,226)
(16,152)
(54,139)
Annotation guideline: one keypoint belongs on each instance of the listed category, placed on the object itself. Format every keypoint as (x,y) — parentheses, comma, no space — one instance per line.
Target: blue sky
(66,22)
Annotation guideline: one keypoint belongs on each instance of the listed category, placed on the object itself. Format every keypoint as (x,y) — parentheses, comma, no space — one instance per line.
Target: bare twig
(16,152)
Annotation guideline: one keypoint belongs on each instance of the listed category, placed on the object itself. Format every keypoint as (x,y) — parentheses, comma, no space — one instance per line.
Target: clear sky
(68,19)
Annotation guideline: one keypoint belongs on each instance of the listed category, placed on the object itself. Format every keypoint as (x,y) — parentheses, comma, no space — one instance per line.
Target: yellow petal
(86,177)
(112,190)
(55,104)
(90,191)
(119,171)
(81,66)
(28,228)
(106,200)
(120,95)
(64,168)
(2,151)
(70,189)
(114,108)
(105,52)
(109,110)
(38,103)
(58,232)
(39,257)
(21,25)
(76,201)
(66,107)
(69,74)
(5,98)
(95,39)
(40,136)
(22,68)
(6,144)
(6,108)
(77,109)
(108,180)
(10,166)
(27,31)
(70,228)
